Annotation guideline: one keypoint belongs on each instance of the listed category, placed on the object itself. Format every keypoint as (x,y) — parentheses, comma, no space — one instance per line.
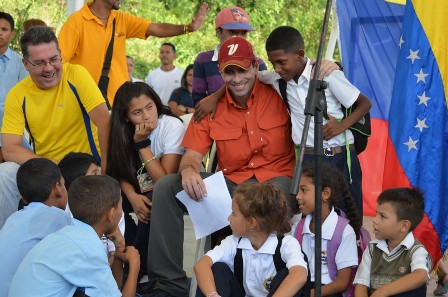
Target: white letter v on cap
(232,49)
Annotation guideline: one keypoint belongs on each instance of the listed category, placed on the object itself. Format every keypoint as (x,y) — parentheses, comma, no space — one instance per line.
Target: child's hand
(326,68)
(129,255)
(204,107)
(140,206)
(143,130)
(117,238)
(333,128)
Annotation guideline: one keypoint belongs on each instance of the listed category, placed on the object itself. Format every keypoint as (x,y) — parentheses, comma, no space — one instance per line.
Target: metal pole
(315,106)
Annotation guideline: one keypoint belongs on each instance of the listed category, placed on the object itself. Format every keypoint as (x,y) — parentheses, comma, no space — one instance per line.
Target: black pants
(137,235)
(228,286)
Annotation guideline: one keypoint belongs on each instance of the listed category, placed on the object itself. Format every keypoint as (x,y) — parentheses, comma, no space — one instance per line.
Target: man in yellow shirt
(58,104)
(86,34)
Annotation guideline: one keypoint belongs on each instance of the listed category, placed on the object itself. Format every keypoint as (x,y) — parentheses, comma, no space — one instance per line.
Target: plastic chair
(203,244)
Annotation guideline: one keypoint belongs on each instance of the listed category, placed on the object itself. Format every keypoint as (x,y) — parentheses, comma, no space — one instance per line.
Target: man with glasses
(59,105)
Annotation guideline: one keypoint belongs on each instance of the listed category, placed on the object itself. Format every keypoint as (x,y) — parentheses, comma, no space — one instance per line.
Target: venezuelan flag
(417,147)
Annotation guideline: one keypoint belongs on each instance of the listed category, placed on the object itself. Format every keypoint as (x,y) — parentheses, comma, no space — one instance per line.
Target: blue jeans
(9,193)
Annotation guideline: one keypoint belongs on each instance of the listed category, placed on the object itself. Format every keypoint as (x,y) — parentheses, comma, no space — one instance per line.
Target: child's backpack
(362,242)
(278,263)
(361,130)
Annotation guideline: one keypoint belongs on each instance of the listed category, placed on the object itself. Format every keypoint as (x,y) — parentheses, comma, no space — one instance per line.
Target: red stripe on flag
(372,164)
(427,235)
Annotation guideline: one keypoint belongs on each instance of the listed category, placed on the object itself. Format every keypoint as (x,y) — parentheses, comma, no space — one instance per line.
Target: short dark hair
(285,38)
(36,179)
(90,197)
(74,165)
(35,36)
(408,204)
(6,16)
(169,44)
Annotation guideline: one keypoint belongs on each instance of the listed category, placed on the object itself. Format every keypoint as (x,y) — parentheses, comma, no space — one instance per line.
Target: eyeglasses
(55,61)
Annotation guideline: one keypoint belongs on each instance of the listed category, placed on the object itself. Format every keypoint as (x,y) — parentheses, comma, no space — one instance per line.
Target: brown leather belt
(331,151)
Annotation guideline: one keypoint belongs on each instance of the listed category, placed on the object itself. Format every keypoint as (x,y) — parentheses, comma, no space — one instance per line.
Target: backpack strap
(333,245)
(86,119)
(278,261)
(282,84)
(238,267)
(298,234)
(27,126)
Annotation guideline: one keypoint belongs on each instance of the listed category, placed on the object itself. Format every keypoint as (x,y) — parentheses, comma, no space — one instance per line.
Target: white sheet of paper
(210,214)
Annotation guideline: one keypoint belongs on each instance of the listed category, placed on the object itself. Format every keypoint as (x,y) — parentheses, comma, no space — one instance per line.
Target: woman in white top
(144,145)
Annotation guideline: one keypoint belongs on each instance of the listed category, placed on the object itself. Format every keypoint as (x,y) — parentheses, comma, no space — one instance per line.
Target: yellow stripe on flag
(397,1)
(433,17)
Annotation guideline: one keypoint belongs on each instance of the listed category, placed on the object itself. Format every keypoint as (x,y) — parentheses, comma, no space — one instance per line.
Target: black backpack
(279,264)
(361,130)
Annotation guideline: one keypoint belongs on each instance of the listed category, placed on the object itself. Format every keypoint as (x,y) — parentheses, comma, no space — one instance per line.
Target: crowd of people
(97,156)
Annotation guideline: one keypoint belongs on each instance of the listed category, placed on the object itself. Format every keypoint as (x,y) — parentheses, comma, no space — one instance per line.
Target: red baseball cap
(236,51)
(233,18)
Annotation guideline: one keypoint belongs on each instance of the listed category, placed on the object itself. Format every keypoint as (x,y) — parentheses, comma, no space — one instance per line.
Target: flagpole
(315,104)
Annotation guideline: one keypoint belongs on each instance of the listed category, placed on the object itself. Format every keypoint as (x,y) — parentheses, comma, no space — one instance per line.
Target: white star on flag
(413,55)
(421,76)
(421,124)
(400,43)
(423,99)
(411,144)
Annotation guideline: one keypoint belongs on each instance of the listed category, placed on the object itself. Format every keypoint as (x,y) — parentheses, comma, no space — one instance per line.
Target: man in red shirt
(252,131)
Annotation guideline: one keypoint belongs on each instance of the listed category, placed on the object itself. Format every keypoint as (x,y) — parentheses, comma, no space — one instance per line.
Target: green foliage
(305,15)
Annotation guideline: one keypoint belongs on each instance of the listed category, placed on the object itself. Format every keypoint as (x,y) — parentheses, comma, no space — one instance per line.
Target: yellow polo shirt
(54,116)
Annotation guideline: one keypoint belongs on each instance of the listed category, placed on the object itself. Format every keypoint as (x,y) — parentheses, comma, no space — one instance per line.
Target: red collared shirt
(253,141)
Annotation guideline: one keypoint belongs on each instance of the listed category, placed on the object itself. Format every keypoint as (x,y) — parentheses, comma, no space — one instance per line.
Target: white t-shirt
(167,137)
(346,255)
(339,91)
(164,82)
(258,265)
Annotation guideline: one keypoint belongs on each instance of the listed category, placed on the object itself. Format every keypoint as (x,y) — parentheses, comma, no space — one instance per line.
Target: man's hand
(140,206)
(198,20)
(333,128)
(193,184)
(326,68)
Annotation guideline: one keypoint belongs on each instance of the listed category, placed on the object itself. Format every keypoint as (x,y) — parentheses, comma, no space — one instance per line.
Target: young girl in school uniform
(334,189)
(243,264)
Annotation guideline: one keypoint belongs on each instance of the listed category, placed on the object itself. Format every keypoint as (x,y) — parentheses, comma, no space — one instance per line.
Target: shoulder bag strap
(104,79)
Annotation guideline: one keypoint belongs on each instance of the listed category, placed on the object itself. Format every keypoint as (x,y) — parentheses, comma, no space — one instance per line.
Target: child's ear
(405,226)
(252,224)
(59,189)
(300,53)
(110,214)
(326,194)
